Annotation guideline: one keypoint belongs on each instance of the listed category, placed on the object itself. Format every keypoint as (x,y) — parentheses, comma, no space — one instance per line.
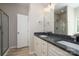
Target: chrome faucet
(74,37)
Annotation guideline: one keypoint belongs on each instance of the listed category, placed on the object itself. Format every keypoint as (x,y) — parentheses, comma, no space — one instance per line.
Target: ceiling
(14,4)
(61,5)
(57,5)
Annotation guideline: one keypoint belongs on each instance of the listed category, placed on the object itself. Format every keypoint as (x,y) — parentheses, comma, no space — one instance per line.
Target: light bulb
(52,6)
(47,9)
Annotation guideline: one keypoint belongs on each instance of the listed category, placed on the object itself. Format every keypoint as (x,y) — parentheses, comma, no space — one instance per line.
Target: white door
(21,31)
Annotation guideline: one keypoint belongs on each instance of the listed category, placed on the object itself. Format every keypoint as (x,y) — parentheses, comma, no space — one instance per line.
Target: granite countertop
(54,38)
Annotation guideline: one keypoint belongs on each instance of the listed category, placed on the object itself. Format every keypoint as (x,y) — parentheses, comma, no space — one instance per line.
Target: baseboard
(23,47)
(6,52)
(33,53)
(13,47)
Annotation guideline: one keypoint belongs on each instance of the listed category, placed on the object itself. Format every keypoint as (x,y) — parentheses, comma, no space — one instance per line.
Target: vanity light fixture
(49,7)
(46,9)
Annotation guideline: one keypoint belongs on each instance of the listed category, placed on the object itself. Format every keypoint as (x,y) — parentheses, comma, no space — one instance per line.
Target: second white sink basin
(69,44)
(43,36)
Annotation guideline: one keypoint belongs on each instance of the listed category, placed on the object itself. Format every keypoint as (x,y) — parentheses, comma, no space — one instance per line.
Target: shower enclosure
(4,32)
(60,22)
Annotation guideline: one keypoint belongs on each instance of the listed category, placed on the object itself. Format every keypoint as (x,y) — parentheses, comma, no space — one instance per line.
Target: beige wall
(35,15)
(71,20)
(76,17)
(36,19)
(12,10)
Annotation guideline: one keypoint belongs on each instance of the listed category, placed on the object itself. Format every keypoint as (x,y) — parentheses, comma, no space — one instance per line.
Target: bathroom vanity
(46,44)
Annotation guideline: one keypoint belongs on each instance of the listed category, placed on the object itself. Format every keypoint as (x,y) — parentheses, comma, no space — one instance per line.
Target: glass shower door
(4,32)
(5,35)
(0,34)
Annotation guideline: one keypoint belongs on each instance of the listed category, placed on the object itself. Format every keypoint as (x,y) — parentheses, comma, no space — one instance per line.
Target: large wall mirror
(66,18)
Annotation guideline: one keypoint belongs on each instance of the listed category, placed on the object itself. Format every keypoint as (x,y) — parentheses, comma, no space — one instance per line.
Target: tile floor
(19,52)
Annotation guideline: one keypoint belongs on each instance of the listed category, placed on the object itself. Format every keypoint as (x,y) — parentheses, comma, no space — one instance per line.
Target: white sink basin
(43,36)
(69,44)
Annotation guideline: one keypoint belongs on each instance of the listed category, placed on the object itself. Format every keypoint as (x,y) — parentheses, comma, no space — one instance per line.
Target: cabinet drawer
(44,48)
(37,46)
(44,42)
(57,50)
(52,53)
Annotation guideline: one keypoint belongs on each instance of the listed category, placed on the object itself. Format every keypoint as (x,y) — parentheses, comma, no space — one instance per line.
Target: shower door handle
(2,32)
(0,27)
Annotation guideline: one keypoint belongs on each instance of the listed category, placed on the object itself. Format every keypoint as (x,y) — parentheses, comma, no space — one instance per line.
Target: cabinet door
(51,52)
(44,48)
(55,51)
(37,46)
